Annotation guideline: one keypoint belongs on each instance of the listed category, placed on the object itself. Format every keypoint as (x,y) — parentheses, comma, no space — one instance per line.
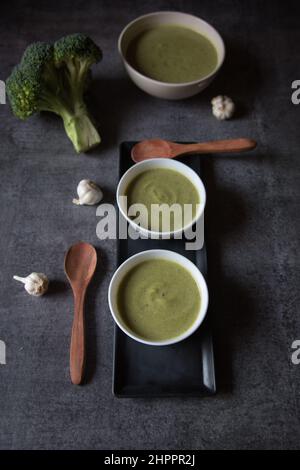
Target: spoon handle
(217,146)
(77,349)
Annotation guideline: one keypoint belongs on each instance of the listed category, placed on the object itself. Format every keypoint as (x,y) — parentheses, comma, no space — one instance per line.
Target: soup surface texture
(172,54)
(158,299)
(158,186)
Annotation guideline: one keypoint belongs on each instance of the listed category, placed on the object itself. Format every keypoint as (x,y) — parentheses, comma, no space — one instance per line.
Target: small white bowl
(150,255)
(171,91)
(168,164)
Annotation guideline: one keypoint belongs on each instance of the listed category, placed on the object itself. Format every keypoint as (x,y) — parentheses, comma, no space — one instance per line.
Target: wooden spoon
(80,265)
(158,148)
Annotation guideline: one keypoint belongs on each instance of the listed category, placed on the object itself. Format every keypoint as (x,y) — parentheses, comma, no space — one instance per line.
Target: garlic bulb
(88,193)
(35,284)
(222,107)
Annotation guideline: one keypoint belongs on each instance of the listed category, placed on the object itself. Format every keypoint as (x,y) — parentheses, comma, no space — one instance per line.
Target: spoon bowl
(80,265)
(80,262)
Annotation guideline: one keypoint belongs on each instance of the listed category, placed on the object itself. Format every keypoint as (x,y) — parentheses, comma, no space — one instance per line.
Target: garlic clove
(88,193)
(222,107)
(35,284)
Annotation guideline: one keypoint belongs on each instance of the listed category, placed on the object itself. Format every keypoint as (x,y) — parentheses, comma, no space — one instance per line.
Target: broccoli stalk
(81,131)
(55,78)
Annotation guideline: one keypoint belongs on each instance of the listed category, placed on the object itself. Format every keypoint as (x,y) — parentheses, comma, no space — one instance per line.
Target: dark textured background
(252,221)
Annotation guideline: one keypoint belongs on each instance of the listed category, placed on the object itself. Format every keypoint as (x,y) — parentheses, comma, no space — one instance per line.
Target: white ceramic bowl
(171,91)
(168,164)
(157,254)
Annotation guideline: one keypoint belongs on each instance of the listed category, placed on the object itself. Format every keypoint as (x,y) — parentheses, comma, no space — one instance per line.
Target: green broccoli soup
(172,54)
(155,188)
(158,300)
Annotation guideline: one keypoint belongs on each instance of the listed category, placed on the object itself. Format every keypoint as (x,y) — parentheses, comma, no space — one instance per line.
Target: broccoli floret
(22,93)
(78,53)
(54,78)
(34,84)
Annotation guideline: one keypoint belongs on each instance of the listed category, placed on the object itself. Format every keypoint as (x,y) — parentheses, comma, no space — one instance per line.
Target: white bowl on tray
(133,261)
(169,164)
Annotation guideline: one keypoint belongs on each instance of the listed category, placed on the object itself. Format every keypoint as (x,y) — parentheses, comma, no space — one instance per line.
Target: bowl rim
(204,295)
(171,233)
(168,84)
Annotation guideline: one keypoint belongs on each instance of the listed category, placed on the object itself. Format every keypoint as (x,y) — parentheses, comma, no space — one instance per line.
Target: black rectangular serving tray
(183,369)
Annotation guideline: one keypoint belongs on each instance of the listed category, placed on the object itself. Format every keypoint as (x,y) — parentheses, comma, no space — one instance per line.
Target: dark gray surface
(252,221)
